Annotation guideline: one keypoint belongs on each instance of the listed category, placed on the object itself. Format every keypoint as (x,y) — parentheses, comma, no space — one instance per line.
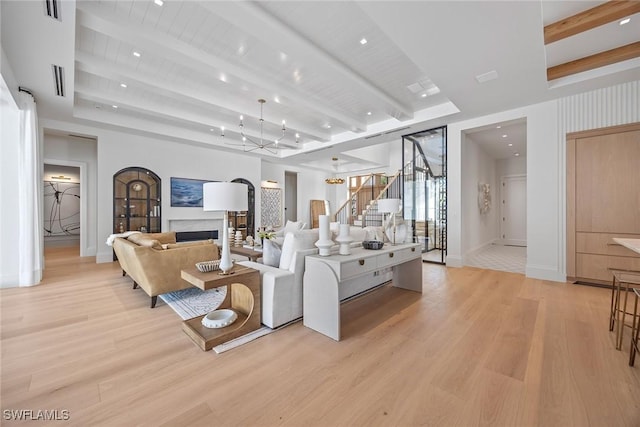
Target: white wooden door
(513,224)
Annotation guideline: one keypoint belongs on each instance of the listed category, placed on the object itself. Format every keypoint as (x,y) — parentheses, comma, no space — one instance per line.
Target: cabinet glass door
(136,201)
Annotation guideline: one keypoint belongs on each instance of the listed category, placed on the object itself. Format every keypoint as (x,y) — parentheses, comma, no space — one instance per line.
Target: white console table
(328,280)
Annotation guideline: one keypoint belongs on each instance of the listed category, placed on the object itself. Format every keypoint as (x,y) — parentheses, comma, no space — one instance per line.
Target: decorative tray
(372,244)
(207,266)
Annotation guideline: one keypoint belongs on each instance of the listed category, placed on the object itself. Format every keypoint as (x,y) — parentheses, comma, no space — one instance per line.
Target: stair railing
(349,209)
(393,190)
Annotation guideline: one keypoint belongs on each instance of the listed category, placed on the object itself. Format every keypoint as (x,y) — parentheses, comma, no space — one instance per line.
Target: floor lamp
(225,196)
(390,206)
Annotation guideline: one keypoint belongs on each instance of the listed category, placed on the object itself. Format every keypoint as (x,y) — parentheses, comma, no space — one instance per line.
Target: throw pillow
(271,253)
(164,237)
(293,242)
(143,239)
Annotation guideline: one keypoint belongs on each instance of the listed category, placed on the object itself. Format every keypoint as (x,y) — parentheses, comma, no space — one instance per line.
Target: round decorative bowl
(219,318)
(372,244)
(207,266)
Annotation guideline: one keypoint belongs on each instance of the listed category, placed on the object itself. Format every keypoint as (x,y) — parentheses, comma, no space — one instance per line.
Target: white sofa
(281,290)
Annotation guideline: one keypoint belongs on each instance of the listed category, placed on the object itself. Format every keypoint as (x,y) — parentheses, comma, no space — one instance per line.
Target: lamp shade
(225,196)
(388,205)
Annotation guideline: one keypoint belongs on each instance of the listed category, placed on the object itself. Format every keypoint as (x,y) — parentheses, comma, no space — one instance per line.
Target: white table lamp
(390,206)
(225,196)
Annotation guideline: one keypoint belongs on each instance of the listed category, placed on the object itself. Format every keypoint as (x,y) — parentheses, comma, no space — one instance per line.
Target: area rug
(194,302)
(264,330)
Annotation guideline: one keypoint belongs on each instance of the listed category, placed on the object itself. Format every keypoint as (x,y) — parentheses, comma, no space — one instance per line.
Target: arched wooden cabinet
(245,221)
(136,201)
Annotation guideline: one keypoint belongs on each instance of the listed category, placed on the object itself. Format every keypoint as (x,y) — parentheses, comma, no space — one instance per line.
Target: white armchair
(281,290)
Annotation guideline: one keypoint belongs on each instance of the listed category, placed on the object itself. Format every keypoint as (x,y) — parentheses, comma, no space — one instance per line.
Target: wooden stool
(623,281)
(635,329)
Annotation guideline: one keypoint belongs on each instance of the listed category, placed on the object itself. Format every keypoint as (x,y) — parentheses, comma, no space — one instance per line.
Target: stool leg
(611,310)
(617,312)
(621,323)
(634,333)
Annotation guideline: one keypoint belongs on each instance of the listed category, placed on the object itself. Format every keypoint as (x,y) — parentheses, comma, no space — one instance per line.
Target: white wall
(478,167)
(547,124)
(166,159)
(117,150)
(511,166)
(9,149)
(311,186)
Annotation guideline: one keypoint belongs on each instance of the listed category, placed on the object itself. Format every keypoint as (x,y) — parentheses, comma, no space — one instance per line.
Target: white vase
(344,240)
(324,243)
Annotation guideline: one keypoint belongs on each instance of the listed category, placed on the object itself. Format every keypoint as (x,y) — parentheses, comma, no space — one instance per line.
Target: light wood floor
(478,347)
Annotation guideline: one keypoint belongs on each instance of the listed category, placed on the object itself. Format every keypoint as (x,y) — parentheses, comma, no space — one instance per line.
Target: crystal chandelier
(250,144)
(334,179)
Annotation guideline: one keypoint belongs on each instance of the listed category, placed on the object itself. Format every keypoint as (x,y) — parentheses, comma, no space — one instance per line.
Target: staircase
(361,209)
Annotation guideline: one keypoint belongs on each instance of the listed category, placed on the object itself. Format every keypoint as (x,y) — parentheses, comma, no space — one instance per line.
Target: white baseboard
(9,281)
(104,257)
(453,261)
(544,273)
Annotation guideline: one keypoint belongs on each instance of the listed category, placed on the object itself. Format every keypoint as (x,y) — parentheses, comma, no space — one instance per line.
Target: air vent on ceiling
(397,130)
(58,79)
(52,9)
(373,136)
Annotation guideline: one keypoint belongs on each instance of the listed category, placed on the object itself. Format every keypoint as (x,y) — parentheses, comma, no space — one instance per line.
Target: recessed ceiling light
(115,106)
(123,85)
(368,113)
(625,21)
(498,127)
(136,54)
(516,154)
(158,2)
(510,145)
(297,135)
(223,77)
(424,95)
(276,99)
(363,41)
(504,136)
(328,126)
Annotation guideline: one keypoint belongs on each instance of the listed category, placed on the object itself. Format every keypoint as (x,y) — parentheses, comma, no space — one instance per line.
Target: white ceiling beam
(166,110)
(165,130)
(265,26)
(133,78)
(169,47)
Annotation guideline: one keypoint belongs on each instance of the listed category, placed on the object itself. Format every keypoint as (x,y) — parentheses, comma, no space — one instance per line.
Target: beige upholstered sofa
(154,260)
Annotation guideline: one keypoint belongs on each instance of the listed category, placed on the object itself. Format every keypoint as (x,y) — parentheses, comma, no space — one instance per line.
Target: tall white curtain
(30,245)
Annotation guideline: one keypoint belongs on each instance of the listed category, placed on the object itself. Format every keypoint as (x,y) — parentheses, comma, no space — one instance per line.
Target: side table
(249,253)
(243,296)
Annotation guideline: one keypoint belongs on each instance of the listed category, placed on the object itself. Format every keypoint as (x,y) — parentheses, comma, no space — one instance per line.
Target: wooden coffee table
(243,296)
(249,253)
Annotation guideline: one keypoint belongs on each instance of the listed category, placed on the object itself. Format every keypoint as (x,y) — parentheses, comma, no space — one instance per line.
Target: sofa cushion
(295,241)
(165,237)
(271,253)
(142,239)
(290,226)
